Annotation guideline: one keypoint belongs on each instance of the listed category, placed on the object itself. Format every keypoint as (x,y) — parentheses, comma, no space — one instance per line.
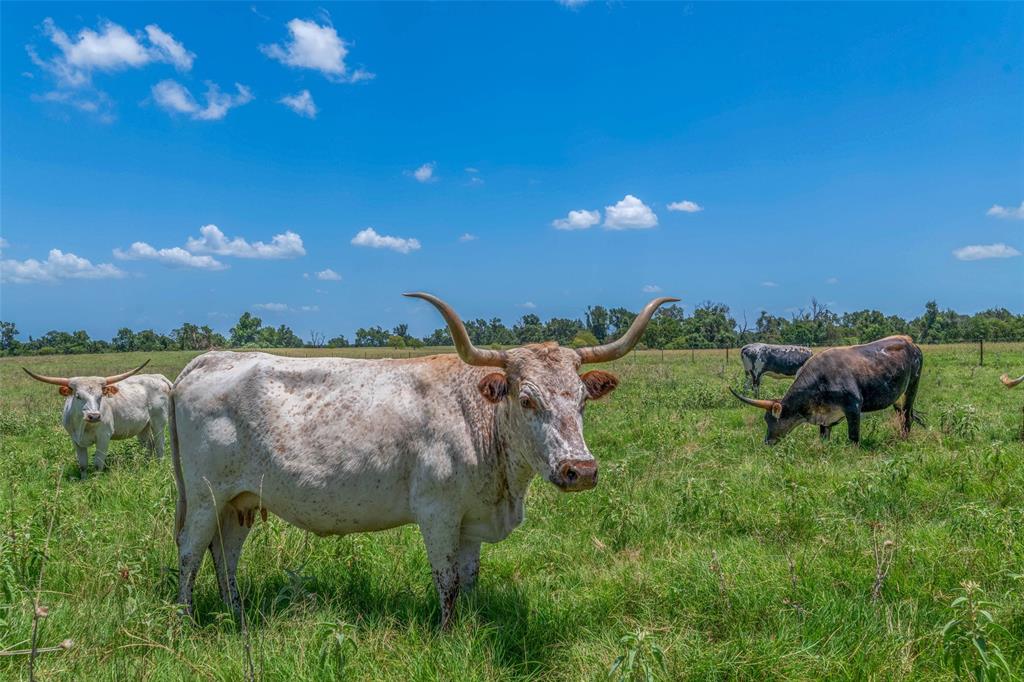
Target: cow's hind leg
(157,424)
(226,548)
(908,405)
(193,540)
(756,382)
(824,432)
(469,563)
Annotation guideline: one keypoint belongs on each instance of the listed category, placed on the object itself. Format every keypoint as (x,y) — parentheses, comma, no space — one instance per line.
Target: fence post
(727,353)
(981,352)
(693,357)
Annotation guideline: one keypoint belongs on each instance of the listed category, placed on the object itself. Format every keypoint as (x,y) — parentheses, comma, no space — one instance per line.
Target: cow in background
(777,361)
(98,410)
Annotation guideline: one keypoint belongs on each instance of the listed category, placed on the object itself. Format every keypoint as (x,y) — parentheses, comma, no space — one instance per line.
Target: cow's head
(86,393)
(779,418)
(545,394)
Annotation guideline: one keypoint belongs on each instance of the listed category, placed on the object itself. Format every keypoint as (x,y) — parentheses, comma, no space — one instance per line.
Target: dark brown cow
(842,383)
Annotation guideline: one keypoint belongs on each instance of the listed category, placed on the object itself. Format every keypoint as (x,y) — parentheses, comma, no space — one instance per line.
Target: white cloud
(285,308)
(4,243)
(471,170)
(832,280)
(212,240)
(112,48)
(424,173)
(301,103)
(998,211)
(175,98)
(57,266)
(271,307)
(577,220)
(317,47)
(328,275)
(572,4)
(983,251)
(651,289)
(175,257)
(370,238)
(529,305)
(171,50)
(769,283)
(685,206)
(629,214)
(467,237)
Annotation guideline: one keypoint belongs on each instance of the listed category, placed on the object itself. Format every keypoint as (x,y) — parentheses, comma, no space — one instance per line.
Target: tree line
(710,325)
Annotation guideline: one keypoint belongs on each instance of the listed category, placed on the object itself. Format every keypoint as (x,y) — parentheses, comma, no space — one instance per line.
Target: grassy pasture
(737,560)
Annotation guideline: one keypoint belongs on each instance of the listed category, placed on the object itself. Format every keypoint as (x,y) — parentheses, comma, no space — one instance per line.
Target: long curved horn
(616,349)
(766,405)
(1010,383)
(118,377)
(470,354)
(59,381)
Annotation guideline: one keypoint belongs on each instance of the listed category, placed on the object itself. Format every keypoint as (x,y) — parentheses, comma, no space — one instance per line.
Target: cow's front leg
(83,460)
(441,538)
(824,431)
(99,457)
(469,563)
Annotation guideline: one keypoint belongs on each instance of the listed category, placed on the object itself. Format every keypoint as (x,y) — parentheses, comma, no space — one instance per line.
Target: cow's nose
(92,416)
(577,474)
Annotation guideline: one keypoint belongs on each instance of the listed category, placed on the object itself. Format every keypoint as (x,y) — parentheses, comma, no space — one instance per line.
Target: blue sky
(869,155)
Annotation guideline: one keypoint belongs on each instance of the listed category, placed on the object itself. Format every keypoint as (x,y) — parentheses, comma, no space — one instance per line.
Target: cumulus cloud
(57,266)
(176,99)
(175,257)
(212,240)
(629,214)
(301,103)
(769,284)
(685,206)
(998,211)
(312,46)
(467,237)
(370,238)
(577,220)
(651,289)
(832,280)
(112,48)
(424,173)
(984,251)
(529,305)
(572,4)
(328,275)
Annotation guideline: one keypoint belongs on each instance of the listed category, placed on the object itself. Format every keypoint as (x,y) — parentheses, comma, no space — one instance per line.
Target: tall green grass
(808,560)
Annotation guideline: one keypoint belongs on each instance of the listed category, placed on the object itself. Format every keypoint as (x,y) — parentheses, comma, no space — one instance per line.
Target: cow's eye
(527,402)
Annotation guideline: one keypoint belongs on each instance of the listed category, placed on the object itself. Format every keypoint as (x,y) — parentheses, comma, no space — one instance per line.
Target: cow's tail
(179,480)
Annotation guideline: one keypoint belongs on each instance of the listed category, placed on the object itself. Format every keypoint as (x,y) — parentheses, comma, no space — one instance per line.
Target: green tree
(246,330)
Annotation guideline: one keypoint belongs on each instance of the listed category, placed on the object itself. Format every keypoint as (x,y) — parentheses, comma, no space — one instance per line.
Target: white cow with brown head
(337,446)
(98,410)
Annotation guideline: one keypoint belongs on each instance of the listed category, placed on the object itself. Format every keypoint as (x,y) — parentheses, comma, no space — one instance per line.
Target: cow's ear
(776,409)
(66,391)
(110,390)
(599,384)
(493,387)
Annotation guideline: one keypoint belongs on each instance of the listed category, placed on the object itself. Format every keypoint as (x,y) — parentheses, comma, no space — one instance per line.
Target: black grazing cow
(842,383)
(778,361)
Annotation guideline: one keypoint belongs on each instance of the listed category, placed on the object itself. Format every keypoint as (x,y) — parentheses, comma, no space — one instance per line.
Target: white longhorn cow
(97,412)
(338,446)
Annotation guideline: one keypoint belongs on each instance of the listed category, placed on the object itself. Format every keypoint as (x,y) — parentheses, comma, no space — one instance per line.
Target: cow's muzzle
(576,474)
(92,417)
